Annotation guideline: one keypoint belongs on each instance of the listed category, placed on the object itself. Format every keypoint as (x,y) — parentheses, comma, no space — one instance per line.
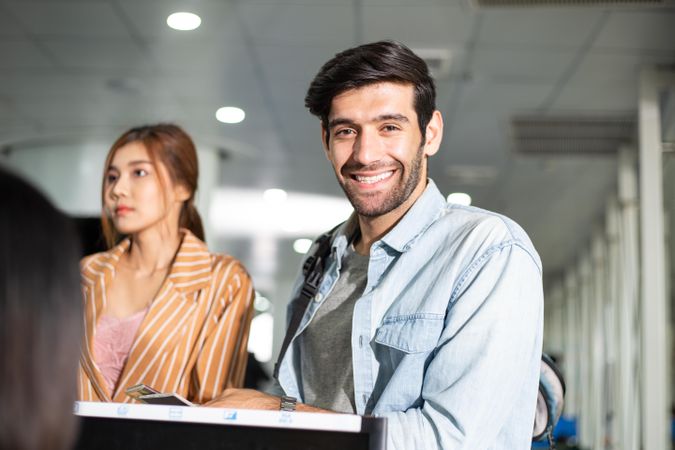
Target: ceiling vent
(438,60)
(471,175)
(574,3)
(542,135)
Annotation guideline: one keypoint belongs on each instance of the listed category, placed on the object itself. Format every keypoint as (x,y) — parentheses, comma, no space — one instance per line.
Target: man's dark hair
(368,64)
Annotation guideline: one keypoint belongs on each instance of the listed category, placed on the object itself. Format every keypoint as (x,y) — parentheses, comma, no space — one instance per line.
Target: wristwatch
(288,403)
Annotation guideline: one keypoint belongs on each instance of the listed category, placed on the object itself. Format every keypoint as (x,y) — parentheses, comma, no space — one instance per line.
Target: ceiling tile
(113,54)
(639,30)
(21,54)
(202,57)
(538,28)
(597,97)
(299,24)
(419,25)
(8,26)
(525,64)
(618,66)
(68,18)
(297,63)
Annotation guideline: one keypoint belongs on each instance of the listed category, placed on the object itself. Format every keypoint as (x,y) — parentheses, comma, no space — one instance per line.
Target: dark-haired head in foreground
(40,319)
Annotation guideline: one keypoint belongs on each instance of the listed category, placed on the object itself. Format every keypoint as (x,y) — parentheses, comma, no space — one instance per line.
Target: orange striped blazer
(193,340)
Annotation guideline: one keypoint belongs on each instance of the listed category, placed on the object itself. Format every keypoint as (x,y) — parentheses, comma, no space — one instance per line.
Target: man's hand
(252,399)
(245,399)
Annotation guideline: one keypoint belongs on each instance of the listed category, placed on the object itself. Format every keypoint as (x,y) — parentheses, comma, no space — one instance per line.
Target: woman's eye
(140,172)
(110,178)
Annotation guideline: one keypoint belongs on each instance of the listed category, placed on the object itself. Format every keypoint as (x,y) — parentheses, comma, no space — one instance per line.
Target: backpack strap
(312,270)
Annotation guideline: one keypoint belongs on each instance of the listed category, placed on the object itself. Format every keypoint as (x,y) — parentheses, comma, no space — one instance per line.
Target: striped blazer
(193,340)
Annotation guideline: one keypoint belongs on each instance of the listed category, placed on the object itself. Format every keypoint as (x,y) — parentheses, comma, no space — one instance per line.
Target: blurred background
(559,114)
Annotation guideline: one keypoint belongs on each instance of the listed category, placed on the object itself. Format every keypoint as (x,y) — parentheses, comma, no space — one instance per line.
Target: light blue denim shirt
(446,339)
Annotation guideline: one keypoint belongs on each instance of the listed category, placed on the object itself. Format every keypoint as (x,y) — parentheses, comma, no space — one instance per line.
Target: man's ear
(324,139)
(434,134)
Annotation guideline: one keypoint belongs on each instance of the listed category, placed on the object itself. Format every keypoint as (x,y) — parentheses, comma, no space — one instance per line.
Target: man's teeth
(373,179)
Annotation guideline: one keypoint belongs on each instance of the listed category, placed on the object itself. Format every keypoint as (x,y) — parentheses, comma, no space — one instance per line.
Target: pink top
(112,342)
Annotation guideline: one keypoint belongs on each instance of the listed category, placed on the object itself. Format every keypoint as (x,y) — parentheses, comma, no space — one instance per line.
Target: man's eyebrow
(396,117)
(381,118)
(339,121)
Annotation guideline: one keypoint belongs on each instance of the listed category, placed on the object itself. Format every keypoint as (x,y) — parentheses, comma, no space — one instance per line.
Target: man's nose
(368,147)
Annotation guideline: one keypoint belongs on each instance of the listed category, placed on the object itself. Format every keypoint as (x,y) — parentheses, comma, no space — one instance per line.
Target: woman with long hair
(160,309)
(40,324)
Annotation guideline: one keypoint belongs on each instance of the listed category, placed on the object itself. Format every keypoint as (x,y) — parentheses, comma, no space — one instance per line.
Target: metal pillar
(597,340)
(655,386)
(613,351)
(586,411)
(572,344)
(628,404)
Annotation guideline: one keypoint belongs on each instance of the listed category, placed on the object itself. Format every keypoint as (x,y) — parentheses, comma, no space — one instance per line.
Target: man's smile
(372,179)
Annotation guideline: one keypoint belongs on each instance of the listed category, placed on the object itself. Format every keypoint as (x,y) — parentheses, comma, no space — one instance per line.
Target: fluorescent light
(230,114)
(183,21)
(275,196)
(302,245)
(459,198)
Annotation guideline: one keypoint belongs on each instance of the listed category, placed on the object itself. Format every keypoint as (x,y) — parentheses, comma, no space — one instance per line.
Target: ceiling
(77,70)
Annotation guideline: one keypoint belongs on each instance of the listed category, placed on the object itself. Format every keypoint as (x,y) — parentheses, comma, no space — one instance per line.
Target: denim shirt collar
(426,209)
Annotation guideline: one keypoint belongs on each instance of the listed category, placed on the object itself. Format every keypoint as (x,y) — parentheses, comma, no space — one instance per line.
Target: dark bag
(551,382)
(549,401)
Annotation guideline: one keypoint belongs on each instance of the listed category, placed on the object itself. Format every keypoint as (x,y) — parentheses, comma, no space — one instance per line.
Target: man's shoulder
(483,229)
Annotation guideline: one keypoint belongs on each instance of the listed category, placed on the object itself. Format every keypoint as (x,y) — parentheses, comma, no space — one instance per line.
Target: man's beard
(395,197)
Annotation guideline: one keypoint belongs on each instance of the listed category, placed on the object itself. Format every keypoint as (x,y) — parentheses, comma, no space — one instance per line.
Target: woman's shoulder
(227,264)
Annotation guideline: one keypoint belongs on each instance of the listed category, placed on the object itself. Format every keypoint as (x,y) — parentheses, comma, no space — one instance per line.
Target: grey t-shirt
(326,343)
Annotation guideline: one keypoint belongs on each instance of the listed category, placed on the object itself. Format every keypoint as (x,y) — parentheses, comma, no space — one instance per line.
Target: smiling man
(428,313)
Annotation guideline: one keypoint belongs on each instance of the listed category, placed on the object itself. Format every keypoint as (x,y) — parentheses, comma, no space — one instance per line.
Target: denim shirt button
(318,297)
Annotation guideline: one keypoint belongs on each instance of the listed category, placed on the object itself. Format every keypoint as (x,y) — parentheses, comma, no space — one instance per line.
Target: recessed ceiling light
(459,198)
(230,114)
(183,21)
(302,246)
(275,195)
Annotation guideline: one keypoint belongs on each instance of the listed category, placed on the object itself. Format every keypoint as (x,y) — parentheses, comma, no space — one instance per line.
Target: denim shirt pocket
(403,348)
(412,333)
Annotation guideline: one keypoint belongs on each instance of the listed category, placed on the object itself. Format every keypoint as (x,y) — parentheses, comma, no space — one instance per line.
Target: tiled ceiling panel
(21,54)
(24,87)
(8,25)
(598,98)
(201,57)
(118,55)
(68,18)
(524,64)
(618,66)
(293,62)
(639,30)
(539,27)
(443,26)
(297,24)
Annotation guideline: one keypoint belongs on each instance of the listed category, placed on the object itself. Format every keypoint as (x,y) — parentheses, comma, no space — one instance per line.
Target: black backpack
(551,383)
